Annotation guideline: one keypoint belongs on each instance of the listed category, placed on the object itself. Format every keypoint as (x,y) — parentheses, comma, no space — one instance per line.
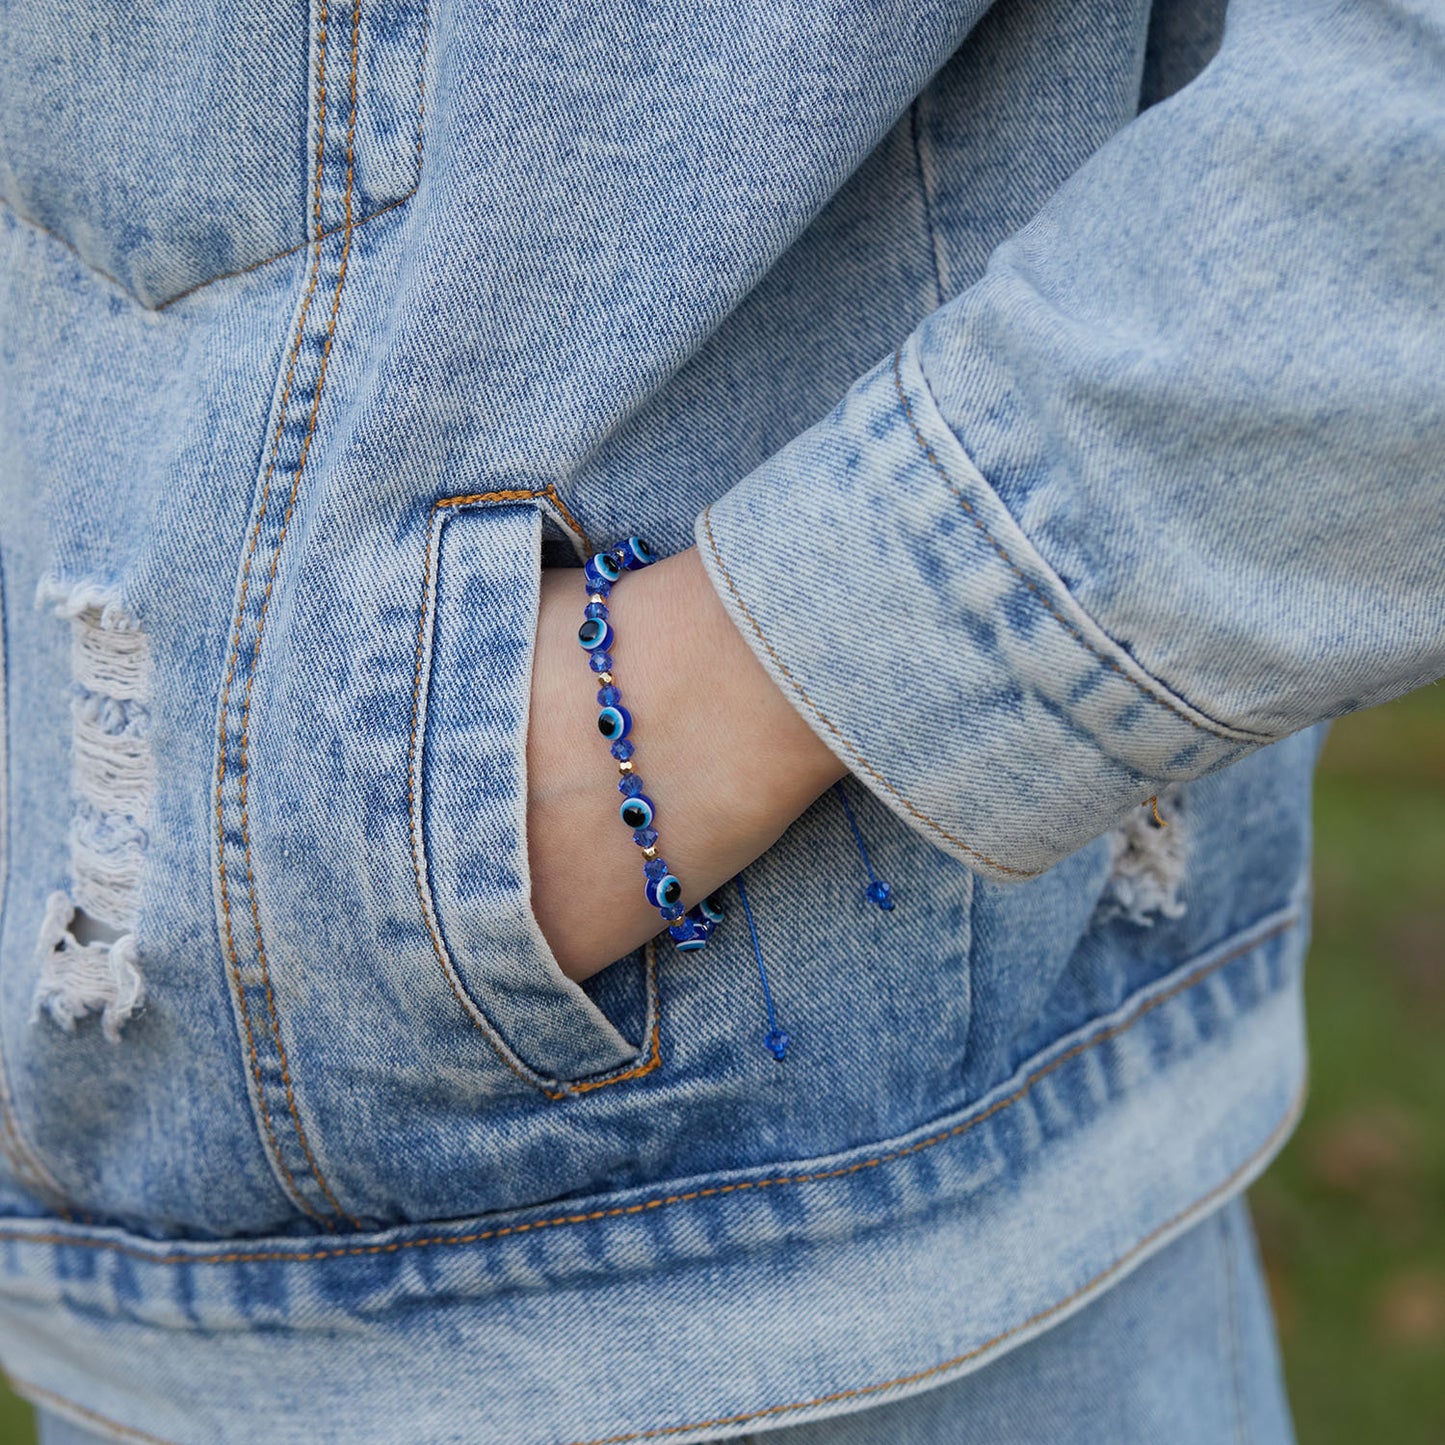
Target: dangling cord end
(776,1039)
(1159,822)
(877,891)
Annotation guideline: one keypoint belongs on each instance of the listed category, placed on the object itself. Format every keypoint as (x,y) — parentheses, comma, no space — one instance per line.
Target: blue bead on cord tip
(776,1040)
(877,891)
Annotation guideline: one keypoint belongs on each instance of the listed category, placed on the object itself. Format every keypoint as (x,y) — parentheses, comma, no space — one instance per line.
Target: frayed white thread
(112,783)
(78,979)
(70,599)
(1149,863)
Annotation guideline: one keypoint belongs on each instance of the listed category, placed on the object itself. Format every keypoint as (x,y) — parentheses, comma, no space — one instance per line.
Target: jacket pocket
(467,793)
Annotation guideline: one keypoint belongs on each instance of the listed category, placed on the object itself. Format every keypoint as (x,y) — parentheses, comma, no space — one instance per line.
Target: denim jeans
(1053,392)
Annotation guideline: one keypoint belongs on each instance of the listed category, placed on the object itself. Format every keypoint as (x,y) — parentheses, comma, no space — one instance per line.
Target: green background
(1352,1216)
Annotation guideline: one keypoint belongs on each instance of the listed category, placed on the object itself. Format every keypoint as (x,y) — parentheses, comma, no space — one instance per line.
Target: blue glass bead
(636,812)
(777,1041)
(614,723)
(602,567)
(881,894)
(600,587)
(671,911)
(595,634)
(630,785)
(609,696)
(655,868)
(700,918)
(636,553)
(687,935)
(645,837)
(595,609)
(623,750)
(711,908)
(600,662)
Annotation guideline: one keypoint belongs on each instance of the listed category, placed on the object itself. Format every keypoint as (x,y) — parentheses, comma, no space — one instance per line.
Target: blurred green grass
(1352,1216)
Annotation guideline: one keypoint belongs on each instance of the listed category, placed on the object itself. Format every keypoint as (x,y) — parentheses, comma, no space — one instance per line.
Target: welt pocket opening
(467,805)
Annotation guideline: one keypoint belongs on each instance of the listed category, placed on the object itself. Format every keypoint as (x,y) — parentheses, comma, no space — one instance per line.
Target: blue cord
(776,1039)
(877,891)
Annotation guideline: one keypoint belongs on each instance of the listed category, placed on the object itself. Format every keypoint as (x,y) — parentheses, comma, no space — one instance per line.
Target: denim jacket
(1057,407)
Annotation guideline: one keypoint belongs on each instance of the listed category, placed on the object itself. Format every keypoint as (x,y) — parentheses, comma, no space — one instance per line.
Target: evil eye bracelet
(689,928)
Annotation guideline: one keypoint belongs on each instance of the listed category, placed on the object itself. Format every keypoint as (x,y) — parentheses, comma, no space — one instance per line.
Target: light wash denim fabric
(1182,1350)
(1058,411)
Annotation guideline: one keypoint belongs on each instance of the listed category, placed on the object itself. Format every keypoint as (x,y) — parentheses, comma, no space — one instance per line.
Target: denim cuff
(894,599)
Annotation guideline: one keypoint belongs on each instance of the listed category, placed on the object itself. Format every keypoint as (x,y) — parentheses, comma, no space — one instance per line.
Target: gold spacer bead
(649,853)
(605,678)
(624,765)
(597,597)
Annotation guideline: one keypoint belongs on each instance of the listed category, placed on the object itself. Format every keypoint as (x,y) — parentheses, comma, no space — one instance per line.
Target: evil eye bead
(603,567)
(636,812)
(636,553)
(614,723)
(711,908)
(686,934)
(665,892)
(595,633)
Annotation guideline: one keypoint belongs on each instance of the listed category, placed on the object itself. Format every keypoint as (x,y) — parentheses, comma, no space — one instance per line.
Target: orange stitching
(469,1006)
(210,280)
(1204,1200)
(654,1057)
(522,494)
(342,1251)
(24,1387)
(235,962)
(271,582)
(836,731)
(1217,729)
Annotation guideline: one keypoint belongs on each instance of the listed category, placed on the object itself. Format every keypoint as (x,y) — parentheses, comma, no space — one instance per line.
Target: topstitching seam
(1214,729)
(1203,1202)
(470,1007)
(256,651)
(843,740)
(1007,1101)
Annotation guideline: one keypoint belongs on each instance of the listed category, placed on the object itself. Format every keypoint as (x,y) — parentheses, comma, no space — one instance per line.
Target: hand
(727,760)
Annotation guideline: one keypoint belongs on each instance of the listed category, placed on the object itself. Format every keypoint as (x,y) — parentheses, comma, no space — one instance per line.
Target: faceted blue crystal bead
(609,696)
(655,868)
(623,749)
(600,662)
(630,785)
(881,894)
(596,609)
(671,911)
(601,588)
(777,1041)
(645,837)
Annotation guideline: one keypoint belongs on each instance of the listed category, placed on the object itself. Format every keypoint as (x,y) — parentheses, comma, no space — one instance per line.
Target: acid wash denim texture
(1057,405)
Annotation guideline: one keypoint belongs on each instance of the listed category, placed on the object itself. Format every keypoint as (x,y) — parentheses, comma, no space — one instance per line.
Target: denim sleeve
(1165,485)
